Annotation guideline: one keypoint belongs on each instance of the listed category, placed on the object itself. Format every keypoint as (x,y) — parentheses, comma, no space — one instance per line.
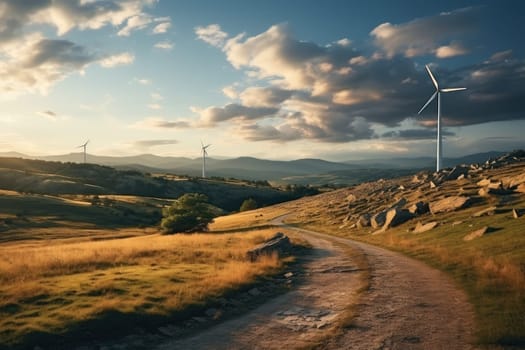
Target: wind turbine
(204,155)
(438,94)
(84,145)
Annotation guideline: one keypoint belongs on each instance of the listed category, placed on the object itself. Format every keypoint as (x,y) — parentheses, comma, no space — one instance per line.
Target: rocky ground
(422,199)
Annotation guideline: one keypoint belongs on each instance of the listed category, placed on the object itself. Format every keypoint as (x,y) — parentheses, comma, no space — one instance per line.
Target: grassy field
(55,287)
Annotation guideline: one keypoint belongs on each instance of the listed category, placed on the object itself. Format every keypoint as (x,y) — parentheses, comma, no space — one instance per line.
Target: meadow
(66,275)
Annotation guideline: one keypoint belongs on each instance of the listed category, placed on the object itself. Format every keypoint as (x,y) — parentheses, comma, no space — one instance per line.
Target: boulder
(432,184)
(484,192)
(497,185)
(447,204)
(396,217)
(418,208)
(487,211)
(420,228)
(378,220)
(363,221)
(399,204)
(351,198)
(279,243)
(516,213)
(514,181)
(483,182)
(476,234)
(456,172)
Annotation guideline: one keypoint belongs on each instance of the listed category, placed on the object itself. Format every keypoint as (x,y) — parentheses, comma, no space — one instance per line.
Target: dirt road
(408,305)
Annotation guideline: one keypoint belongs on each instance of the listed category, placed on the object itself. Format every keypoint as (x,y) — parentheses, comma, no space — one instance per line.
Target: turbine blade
(428,102)
(202,144)
(432,77)
(207,146)
(452,89)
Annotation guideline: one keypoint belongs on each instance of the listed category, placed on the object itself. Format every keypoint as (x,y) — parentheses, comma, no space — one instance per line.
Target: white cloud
(161,27)
(136,22)
(66,15)
(164,45)
(156,96)
(34,63)
(424,35)
(31,62)
(230,92)
(452,50)
(344,42)
(211,34)
(275,55)
(121,59)
(155,106)
(143,81)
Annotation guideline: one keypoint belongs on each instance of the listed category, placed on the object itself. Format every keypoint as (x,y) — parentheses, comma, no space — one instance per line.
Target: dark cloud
(60,52)
(152,143)
(336,93)
(214,115)
(415,134)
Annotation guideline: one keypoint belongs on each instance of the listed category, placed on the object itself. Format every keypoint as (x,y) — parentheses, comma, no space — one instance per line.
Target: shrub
(248,204)
(189,213)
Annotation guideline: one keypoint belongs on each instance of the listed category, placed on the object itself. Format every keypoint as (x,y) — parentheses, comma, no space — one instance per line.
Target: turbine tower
(84,146)
(438,92)
(204,155)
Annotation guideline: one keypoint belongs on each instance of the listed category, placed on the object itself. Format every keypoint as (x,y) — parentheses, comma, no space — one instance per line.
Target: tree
(248,204)
(189,213)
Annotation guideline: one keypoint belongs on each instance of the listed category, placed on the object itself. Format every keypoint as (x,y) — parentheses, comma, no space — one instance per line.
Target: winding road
(407,305)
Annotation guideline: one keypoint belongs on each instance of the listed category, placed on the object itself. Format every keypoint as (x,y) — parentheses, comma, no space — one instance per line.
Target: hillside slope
(467,221)
(36,176)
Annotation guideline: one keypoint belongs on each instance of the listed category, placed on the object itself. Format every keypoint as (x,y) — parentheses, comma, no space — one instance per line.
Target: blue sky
(338,80)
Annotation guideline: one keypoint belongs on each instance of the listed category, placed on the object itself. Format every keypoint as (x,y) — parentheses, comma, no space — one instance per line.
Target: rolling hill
(300,171)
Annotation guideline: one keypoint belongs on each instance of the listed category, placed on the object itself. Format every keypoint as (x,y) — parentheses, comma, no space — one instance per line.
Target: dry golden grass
(52,287)
(248,219)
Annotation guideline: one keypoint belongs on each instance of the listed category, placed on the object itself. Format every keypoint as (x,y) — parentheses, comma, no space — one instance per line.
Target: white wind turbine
(84,146)
(204,155)
(438,93)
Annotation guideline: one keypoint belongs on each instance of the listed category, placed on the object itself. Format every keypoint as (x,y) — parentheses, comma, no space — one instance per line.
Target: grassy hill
(300,171)
(58,178)
(467,221)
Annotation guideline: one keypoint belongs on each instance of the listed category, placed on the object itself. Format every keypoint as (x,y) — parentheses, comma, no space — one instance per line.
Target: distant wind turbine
(204,155)
(438,94)
(84,146)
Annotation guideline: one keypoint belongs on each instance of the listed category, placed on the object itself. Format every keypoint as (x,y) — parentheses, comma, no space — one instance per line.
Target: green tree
(248,204)
(189,213)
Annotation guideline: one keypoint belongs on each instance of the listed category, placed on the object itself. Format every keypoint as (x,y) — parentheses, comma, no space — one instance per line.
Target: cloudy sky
(337,79)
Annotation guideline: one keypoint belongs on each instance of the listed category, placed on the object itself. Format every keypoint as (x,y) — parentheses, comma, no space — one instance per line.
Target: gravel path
(408,306)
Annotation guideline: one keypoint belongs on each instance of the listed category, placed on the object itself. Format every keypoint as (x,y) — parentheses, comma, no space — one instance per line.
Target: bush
(248,204)
(189,213)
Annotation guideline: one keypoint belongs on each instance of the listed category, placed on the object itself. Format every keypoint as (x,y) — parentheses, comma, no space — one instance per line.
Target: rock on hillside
(426,196)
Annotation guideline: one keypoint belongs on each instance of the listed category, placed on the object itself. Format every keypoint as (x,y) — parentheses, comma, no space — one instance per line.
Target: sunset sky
(338,79)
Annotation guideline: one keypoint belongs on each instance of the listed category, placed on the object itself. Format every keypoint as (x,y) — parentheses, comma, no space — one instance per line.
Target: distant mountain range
(303,171)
